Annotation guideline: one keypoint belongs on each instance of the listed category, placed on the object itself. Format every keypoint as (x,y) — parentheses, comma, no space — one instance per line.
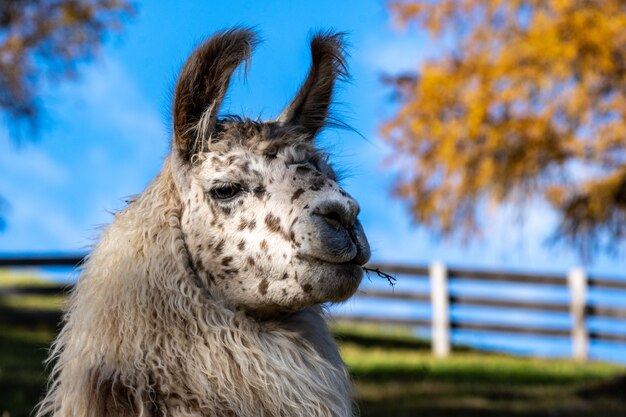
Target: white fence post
(440,304)
(577,283)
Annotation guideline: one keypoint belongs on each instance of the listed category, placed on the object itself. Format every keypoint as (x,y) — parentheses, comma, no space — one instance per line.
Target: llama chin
(204,296)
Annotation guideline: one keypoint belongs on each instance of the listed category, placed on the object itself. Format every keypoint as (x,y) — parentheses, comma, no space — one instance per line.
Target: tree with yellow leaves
(527,99)
(44,39)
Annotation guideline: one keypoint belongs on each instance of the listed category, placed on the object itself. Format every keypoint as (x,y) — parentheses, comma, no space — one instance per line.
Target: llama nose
(338,213)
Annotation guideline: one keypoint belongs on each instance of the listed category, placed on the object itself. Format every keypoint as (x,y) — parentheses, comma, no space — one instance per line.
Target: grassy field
(395,375)
(22,374)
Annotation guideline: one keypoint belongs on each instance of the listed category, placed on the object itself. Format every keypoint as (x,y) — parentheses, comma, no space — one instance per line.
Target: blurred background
(488,153)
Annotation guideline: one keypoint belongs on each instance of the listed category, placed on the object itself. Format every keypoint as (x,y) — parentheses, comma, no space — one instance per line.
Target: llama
(203,297)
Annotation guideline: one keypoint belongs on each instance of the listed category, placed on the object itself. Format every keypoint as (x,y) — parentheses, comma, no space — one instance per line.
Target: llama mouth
(331,281)
(339,280)
(355,262)
(363,253)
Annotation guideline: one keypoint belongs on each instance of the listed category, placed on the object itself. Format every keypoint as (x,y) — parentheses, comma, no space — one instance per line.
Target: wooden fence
(34,317)
(441,300)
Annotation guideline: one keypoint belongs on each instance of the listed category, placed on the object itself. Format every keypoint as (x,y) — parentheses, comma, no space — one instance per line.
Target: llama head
(268,228)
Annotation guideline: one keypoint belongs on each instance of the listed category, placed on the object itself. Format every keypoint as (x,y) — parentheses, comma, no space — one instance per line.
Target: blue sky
(104,136)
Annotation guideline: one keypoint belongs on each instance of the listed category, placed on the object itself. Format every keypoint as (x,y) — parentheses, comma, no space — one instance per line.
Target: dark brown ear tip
(336,39)
(330,47)
(237,43)
(247,37)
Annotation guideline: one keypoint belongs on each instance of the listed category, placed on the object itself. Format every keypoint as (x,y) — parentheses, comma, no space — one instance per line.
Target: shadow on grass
(384,342)
(460,373)
(615,387)
(368,336)
(22,374)
(463,394)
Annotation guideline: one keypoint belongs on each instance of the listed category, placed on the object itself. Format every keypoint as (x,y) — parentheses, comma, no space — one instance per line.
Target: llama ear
(309,110)
(202,85)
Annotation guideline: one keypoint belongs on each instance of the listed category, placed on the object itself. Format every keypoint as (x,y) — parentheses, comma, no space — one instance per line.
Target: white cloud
(107,142)
(110,89)
(37,223)
(29,161)
(111,102)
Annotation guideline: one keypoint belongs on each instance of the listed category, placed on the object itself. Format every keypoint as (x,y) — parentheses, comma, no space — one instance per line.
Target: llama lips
(357,234)
(336,244)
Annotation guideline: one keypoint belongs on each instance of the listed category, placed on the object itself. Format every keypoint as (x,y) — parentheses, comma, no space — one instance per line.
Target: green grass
(23,351)
(22,374)
(395,375)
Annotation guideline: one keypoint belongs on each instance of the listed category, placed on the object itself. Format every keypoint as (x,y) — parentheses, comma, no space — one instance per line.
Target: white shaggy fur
(137,321)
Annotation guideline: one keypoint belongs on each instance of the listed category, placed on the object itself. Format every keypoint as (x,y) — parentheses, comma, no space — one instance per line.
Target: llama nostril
(333,218)
(337,214)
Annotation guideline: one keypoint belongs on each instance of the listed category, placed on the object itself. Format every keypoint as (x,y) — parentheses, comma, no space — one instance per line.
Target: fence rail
(50,260)
(440,299)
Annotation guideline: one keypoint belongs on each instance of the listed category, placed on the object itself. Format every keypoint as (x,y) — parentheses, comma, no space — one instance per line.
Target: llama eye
(225,191)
